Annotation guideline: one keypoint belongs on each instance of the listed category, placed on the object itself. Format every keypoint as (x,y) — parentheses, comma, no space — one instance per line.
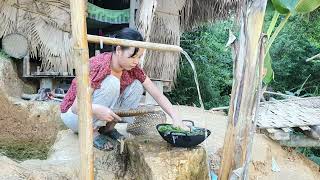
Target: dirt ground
(292,165)
(23,120)
(25,123)
(27,130)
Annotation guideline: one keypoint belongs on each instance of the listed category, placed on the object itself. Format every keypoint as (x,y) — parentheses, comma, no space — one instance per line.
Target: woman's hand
(164,103)
(177,122)
(104,113)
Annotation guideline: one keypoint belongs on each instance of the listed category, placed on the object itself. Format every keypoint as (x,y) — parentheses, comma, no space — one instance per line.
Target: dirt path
(292,165)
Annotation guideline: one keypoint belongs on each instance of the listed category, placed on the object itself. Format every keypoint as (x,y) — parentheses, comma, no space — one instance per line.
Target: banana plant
(286,8)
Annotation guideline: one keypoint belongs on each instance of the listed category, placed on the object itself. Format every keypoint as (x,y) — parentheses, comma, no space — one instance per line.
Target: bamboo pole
(81,55)
(245,91)
(130,43)
(132,13)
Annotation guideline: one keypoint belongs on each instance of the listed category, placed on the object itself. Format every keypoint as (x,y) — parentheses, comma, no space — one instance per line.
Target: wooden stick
(219,108)
(133,112)
(130,43)
(59,95)
(313,57)
(81,55)
(245,91)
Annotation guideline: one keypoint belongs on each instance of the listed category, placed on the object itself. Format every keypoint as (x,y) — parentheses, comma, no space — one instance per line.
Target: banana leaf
(288,8)
(306,6)
(295,6)
(267,65)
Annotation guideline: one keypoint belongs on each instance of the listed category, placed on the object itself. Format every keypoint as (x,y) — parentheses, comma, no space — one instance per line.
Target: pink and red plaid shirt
(99,70)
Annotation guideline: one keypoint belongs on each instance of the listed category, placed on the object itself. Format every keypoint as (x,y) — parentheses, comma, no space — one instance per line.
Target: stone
(151,158)
(148,158)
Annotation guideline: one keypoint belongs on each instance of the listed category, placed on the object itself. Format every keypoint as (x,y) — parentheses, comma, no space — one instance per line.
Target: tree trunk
(244,101)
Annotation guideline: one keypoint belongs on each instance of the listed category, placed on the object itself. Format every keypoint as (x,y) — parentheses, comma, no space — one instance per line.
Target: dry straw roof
(171,19)
(46,24)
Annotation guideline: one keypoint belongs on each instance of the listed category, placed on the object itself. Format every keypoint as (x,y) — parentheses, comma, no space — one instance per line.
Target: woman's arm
(100,112)
(163,101)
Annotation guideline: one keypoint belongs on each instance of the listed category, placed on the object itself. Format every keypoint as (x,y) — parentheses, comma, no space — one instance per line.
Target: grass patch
(23,151)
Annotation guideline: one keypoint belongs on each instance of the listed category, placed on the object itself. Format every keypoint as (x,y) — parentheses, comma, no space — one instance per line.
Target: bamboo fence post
(245,91)
(81,55)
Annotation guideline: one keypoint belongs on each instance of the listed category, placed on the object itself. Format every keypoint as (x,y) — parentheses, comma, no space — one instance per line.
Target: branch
(313,57)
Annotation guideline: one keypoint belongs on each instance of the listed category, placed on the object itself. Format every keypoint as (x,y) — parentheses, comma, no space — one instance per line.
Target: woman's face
(126,60)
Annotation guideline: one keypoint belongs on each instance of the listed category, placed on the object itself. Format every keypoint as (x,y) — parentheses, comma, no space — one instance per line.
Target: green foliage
(297,41)
(286,7)
(267,64)
(306,6)
(23,151)
(3,54)
(312,153)
(206,47)
(295,6)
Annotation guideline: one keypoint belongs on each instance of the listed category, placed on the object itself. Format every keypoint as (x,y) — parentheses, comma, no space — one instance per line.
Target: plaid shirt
(99,70)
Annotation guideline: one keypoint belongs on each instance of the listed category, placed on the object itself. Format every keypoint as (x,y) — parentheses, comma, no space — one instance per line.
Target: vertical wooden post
(245,91)
(132,13)
(26,66)
(81,56)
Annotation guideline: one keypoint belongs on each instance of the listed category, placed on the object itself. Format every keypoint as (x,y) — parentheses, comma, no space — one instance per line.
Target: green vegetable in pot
(167,129)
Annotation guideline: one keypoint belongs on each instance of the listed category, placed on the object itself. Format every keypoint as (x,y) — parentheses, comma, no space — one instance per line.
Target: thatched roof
(196,12)
(171,19)
(46,24)
(289,113)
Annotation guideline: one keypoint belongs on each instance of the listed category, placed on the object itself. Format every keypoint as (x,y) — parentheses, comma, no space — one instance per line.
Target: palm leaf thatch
(196,12)
(7,18)
(170,20)
(46,25)
(164,29)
